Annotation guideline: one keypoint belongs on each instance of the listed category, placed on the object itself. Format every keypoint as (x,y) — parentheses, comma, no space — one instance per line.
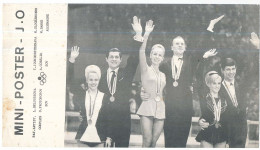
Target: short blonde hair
(92,69)
(158,46)
(211,76)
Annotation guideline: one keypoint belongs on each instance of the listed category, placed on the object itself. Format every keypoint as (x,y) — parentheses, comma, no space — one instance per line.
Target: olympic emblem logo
(42,78)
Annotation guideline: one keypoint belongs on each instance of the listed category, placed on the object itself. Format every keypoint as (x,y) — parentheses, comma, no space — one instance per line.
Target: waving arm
(143,63)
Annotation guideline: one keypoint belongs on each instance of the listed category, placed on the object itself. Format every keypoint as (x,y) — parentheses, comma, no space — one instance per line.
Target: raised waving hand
(137,27)
(74,54)
(255,40)
(210,53)
(213,22)
(149,27)
(143,63)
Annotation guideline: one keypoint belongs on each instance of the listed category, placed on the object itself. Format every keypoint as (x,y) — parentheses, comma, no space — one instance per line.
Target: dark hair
(227,62)
(179,36)
(114,50)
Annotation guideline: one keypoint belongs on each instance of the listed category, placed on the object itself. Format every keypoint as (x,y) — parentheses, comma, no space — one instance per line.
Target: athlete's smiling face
(157,56)
(113,60)
(215,84)
(229,72)
(92,80)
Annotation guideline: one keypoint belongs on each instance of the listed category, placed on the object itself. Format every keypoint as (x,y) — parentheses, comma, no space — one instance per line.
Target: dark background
(97,28)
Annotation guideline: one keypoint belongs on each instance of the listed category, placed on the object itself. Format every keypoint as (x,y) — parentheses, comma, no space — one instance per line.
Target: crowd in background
(187,20)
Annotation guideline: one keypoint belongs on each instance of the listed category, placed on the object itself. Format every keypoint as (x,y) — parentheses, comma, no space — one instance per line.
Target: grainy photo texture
(145,75)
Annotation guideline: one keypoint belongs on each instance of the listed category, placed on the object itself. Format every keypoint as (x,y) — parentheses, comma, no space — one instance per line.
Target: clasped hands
(203,124)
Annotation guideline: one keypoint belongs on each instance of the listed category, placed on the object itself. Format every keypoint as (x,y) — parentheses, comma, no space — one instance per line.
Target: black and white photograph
(162,75)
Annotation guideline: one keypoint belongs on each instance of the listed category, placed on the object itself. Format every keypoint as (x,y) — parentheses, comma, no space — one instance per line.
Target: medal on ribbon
(158,85)
(157,98)
(176,73)
(232,97)
(217,111)
(175,84)
(217,125)
(112,89)
(112,98)
(91,108)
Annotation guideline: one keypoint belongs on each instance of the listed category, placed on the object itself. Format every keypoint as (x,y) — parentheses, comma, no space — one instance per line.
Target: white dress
(90,134)
(152,85)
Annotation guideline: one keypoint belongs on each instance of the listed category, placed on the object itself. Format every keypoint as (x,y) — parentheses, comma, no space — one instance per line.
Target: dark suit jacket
(236,115)
(178,100)
(240,110)
(119,117)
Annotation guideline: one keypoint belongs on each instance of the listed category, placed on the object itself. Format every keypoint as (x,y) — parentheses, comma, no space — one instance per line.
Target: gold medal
(175,84)
(158,85)
(176,70)
(89,121)
(112,99)
(217,125)
(157,98)
(91,109)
